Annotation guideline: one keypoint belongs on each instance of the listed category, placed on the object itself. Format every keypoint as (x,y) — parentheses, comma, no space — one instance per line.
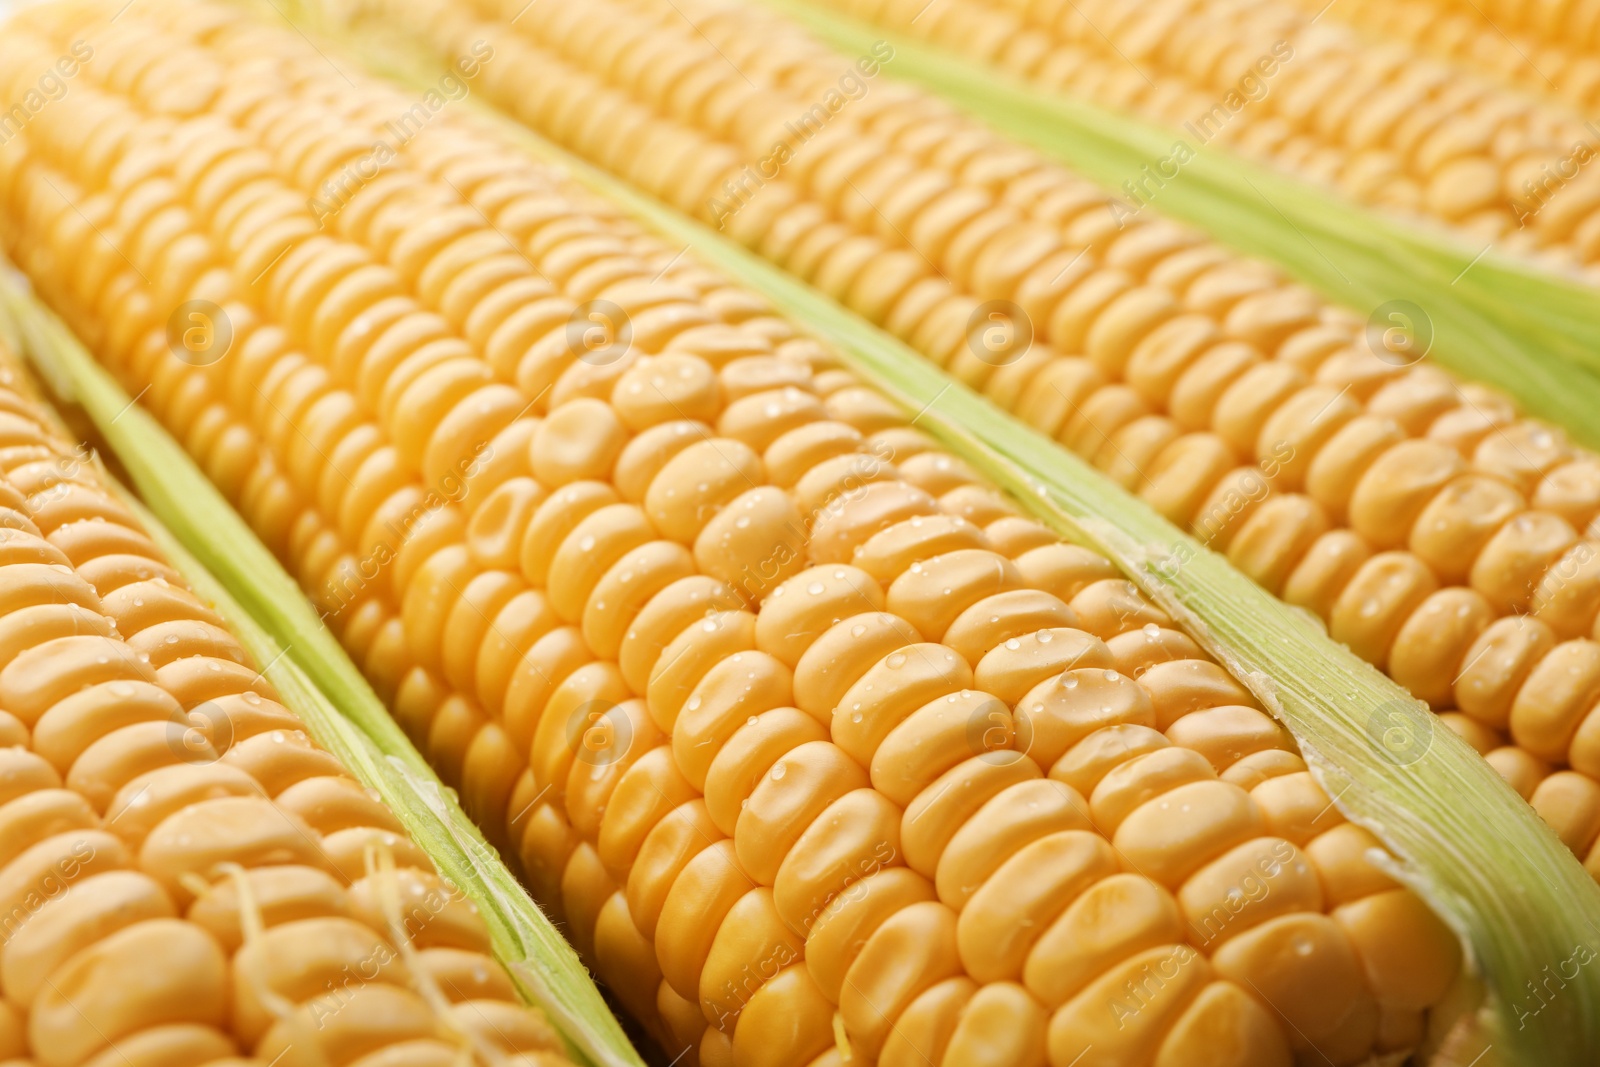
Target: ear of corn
(1435,531)
(1542,50)
(1386,124)
(1529,332)
(821,752)
(1485,314)
(188,878)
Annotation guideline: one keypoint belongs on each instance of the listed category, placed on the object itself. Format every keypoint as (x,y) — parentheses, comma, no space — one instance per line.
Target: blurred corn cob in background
(1446,540)
(1357,107)
(187,878)
(821,752)
(1545,49)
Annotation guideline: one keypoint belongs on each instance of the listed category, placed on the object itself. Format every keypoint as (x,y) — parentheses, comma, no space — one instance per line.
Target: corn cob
(627,634)
(1538,49)
(1574,24)
(187,878)
(1386,125)
(1436,532)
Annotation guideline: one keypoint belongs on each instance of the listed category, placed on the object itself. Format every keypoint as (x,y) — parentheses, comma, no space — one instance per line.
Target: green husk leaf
(1531,333)
(1469,845)
(222,558)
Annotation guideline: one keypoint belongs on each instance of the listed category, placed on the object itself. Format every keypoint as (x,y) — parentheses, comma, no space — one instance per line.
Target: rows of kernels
(1573,21)
(1522,561)
(1386,500)
(711,750)
(380,471)
(564,518)
(1554,59)
(1387,125)
(378,643)
(161,803)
